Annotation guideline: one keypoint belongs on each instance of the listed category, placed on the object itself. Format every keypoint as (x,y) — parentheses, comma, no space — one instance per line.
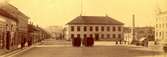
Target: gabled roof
(94,20)
(12,12)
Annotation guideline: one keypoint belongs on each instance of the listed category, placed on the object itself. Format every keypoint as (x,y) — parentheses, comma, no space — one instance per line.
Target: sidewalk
(12,53)
(3,51)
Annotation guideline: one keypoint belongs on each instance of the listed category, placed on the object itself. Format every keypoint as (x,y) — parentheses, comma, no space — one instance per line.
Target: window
(162,34)
(113,29)
(156,19)
(108,35)
(78,35)
(156,34)
(85,35)
(166,25)
(114,36)
(91,35)
(102,28)
(72,35)
(119,35)
(102,36)
(85,28)
(119,28)
(156,25)
(91,28)
(72,28)
(78,28)
(166,33)
(163,25)
(108,28)
(159,25)
(97,28)
(159,34)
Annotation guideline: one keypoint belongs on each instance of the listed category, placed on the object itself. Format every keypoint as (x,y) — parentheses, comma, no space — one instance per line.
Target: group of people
(88,42)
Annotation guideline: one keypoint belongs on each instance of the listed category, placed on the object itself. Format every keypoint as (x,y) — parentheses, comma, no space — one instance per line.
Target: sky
(59,12)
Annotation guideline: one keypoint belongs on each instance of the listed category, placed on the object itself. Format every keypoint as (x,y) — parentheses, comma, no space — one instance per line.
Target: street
(56,48)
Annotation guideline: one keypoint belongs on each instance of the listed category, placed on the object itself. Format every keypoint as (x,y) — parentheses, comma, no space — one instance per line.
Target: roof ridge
(104,20)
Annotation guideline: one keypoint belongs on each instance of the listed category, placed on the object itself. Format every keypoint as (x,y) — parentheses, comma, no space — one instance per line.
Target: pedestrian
(23,41)
(30,41)
(90,41)
(84,42)
(76,42)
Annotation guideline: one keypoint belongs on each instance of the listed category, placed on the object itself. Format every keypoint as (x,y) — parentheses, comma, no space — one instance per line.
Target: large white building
(97,27)
(161,27)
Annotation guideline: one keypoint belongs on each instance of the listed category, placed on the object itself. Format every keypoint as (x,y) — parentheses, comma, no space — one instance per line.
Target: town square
(83,28)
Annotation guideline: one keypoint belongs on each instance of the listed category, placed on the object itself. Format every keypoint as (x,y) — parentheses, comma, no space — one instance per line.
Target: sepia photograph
(83,28)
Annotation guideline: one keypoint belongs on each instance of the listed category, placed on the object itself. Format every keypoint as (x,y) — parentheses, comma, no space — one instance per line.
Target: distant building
(55,32)
(142,35)
(147,32)
(98,27)
(161,27)
(36,34)
(128,35)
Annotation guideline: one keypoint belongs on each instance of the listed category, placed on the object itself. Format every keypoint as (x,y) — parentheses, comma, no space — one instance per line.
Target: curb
(16,52)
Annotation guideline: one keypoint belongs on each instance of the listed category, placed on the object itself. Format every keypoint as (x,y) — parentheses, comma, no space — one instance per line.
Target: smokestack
(133,27)
(133,20)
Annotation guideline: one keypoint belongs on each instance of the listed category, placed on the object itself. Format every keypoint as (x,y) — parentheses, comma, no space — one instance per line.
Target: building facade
(36,34)
(14,22)
(97,27)
(7,31)
(161,27)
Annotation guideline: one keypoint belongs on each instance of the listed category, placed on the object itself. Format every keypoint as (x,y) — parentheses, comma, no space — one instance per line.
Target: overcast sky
(59,12)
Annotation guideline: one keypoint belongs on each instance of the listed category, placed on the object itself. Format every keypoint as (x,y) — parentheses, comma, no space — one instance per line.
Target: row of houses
(14,28)
(36,34)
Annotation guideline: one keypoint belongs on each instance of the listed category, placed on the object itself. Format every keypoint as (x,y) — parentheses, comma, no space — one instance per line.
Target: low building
(8,27)
(97,27)
(36,34)
(14,25)
(142,35)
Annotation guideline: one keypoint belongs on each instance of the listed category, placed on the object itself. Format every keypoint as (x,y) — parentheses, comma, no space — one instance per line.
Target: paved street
(52,48)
